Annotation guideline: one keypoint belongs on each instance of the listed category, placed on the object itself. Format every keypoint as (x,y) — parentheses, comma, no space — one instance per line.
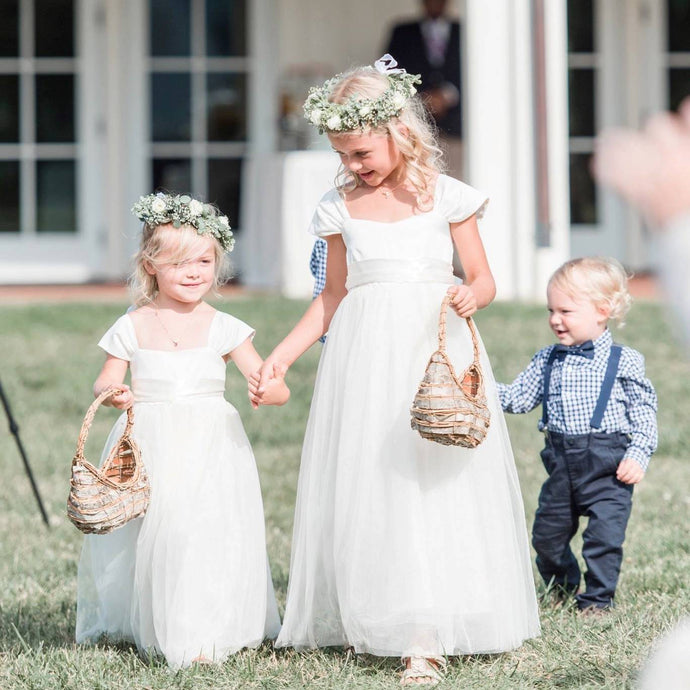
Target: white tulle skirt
(191,578)
(402,546)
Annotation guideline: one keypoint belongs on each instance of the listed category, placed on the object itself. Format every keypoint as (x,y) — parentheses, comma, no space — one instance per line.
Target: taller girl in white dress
(189,580)
(401,547)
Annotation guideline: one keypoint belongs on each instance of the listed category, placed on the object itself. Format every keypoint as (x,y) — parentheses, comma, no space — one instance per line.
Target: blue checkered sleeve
(527,390)
(317,265)
(641,407)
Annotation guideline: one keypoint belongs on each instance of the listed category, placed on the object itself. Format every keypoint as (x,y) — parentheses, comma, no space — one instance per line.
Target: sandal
(423,671)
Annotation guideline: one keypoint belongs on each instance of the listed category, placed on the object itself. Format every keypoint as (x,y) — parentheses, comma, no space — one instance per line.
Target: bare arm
(112,376)
(479,288)
(317,318)
(248,361)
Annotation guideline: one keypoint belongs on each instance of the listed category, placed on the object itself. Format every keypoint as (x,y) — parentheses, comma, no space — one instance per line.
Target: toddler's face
(186,278)
(573,319)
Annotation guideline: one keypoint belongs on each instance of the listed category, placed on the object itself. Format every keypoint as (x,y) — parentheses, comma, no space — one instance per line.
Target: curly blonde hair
(601,279)
(177,244)
(422,157)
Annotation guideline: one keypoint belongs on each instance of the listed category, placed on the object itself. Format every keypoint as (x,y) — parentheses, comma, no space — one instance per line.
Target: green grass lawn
(48,362)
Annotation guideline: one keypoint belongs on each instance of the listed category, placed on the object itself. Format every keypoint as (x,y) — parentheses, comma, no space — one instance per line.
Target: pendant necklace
(175,341)
(388,192)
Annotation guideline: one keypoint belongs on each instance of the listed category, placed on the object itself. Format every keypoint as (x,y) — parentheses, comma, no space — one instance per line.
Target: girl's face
(373,157)
(575,320)
(186,279)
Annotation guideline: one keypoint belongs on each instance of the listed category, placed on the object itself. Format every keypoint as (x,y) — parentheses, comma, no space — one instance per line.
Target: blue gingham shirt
(317,266)
(574,391)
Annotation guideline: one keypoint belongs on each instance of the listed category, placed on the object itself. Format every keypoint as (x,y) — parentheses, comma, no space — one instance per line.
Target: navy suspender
(604,393)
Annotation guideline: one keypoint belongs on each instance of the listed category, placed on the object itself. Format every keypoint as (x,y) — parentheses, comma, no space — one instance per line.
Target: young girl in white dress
(401,547)
(190,580)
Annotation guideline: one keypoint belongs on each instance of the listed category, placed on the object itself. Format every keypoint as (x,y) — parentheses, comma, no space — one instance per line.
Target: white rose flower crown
(161,209)
(361,113)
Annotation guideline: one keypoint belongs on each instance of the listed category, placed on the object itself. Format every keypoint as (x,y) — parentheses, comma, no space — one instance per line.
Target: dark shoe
(594,611)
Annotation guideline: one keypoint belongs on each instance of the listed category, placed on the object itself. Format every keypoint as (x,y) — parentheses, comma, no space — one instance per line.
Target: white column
(125,126)
(556,50)
(499,139)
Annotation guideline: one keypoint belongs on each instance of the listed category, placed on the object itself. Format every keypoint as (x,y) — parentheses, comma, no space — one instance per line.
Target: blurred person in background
(651,170)
(430,47)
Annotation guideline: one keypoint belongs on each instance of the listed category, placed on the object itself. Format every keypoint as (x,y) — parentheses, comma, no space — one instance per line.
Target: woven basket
(451,409)
(101,500)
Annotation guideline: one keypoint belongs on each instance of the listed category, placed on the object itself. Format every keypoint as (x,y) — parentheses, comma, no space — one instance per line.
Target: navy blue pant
(582,482)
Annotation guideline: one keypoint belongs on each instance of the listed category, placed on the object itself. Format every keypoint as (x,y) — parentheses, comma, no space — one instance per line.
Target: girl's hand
(629,471)
(121,401)
(276,392)
(462,300)
(260,382)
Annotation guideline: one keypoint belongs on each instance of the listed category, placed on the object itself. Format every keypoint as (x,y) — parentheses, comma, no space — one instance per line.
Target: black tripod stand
(15,432)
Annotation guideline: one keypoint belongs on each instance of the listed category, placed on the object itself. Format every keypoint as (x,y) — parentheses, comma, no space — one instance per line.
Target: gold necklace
(174,341)
(388,192)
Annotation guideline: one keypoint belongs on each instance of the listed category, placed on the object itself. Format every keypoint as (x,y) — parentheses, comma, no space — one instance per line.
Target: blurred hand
(629,471)
(651,168)
(462,300)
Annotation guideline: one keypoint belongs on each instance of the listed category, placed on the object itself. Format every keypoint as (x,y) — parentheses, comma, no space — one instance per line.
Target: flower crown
(160,209)
(363,112)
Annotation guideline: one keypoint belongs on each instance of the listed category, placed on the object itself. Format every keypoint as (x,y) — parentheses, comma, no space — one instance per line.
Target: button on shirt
(574,390)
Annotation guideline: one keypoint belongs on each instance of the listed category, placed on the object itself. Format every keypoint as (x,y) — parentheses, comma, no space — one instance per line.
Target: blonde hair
(601,279)
(178,244)
(421,154)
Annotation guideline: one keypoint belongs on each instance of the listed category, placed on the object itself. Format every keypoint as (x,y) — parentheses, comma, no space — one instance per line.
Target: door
(626,60)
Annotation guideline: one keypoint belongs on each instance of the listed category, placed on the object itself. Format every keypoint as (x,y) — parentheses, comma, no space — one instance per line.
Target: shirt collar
(603,342)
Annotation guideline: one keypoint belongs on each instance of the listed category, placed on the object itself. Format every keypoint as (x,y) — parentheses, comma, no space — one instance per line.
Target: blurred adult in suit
(430,46)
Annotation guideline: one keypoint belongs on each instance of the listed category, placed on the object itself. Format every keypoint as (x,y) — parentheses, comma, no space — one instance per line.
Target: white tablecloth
(280,192)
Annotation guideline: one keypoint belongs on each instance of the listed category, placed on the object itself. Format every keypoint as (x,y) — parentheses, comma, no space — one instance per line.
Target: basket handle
(442,330)
(91,413)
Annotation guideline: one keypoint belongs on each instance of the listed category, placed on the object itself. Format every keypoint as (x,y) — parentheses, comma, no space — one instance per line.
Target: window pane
(170,23)
(54,108)
(56,196)
(581,102)
(226,103)
(224,178)
(678,13)
(678,86)
(225,27)
(9,108)
(583,193)
(54,28)
(9,196)
(9,29)
(580,26)
(172,175)
(170,106)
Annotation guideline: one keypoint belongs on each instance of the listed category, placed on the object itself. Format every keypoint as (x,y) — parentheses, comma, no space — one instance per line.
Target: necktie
(584,350)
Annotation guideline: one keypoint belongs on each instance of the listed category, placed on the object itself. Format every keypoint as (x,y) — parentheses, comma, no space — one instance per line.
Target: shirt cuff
(639,456)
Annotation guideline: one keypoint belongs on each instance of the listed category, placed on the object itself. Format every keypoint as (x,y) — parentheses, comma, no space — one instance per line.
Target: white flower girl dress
(190,579)
(401,546)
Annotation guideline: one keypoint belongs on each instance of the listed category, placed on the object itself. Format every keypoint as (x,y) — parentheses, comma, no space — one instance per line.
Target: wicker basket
(101,500)
(448,409)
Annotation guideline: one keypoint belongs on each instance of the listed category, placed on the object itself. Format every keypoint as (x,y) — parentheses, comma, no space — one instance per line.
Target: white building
(104,100)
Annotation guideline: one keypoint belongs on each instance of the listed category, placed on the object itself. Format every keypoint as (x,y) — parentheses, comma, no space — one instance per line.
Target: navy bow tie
(584,350)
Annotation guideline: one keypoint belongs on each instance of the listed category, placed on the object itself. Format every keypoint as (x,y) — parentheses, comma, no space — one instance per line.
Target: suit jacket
(407,46)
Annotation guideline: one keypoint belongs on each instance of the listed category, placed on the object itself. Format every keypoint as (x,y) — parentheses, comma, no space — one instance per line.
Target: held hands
(267,386)
(121,401)
(629,471)
(462,300)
